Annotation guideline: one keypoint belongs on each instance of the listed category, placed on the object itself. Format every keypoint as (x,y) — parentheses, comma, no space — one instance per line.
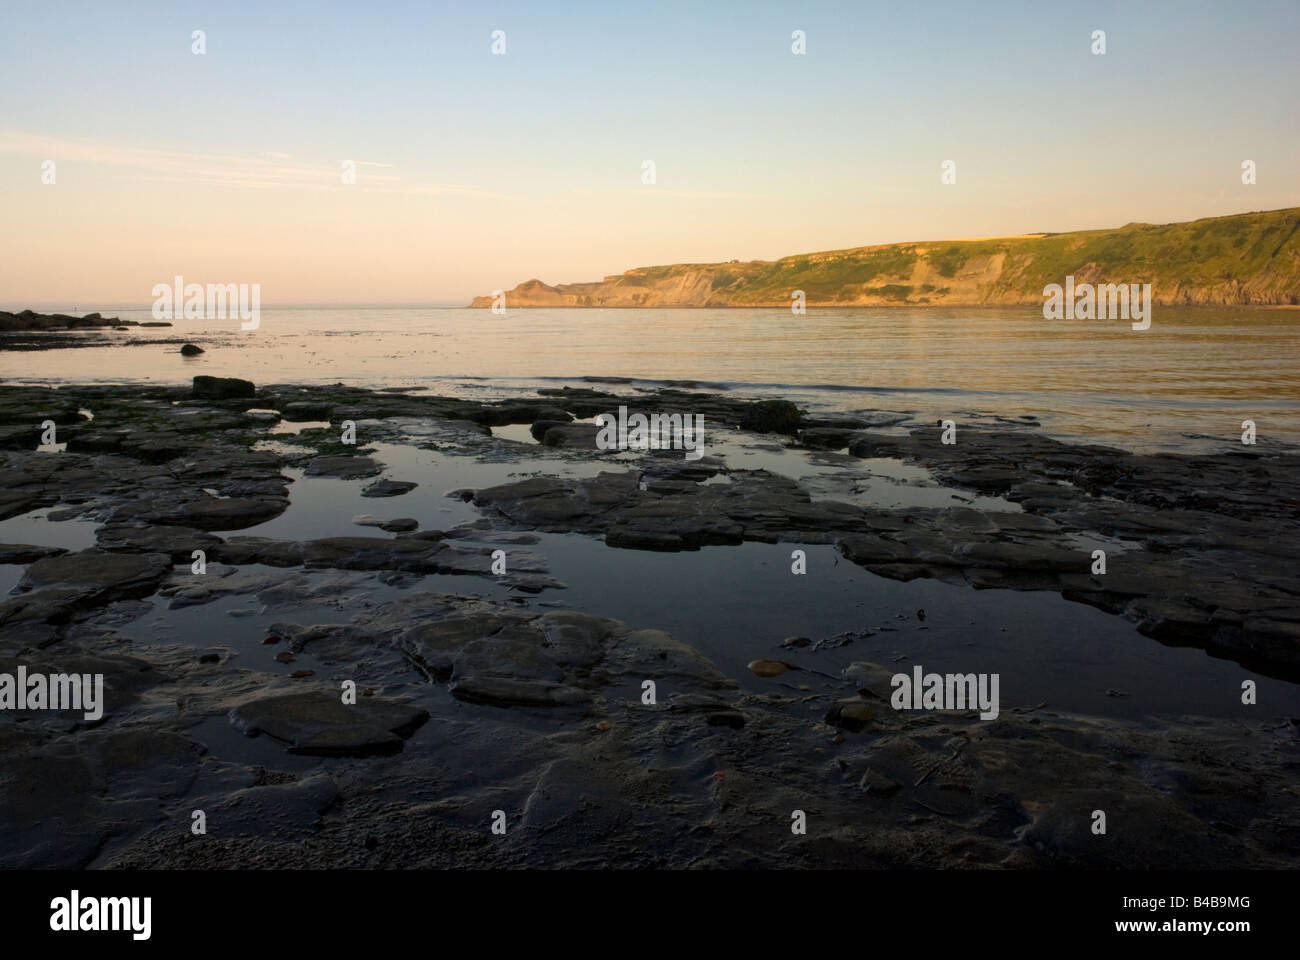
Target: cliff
(1248,258)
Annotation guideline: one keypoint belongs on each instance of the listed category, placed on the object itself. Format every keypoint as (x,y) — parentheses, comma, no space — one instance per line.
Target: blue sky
(479,171)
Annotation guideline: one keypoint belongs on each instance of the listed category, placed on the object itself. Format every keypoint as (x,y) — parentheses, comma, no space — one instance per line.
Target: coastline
(1195,260)
(890,304)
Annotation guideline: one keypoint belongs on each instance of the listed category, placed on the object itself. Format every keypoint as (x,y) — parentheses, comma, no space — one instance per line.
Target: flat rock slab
(176,541)
(231,513)
(828,438)
(204,513)
(320,724)
(575,436)
(26,552)
(507,692)
(55,588)
(345,468)
(389,488)
(12,504)
(375,553)
(117,573)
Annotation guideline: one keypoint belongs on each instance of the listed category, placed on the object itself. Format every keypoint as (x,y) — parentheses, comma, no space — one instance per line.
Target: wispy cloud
(652,191)
(709,194)
(269,170)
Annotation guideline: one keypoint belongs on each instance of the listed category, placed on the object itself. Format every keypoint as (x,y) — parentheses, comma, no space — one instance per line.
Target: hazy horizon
(62,304)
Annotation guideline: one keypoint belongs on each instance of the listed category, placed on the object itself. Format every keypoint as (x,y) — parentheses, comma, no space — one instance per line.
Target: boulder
(389,488)
(772,416)
(222,388)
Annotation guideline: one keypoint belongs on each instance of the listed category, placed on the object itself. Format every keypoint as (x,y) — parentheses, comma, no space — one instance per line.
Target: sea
(1186,384)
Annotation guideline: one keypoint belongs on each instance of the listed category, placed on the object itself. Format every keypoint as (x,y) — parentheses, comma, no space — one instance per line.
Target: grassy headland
(1247,258)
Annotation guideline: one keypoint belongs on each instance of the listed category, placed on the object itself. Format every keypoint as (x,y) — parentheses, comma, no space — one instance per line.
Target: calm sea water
(1187,383)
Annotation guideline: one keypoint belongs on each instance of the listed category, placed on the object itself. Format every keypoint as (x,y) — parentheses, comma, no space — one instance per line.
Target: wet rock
(641,653)
(531,582)
(244,550)
(20,436)
(828,438)
(344,468)
(190,350)
(178,542)
(61,799)
(770,668)
(636,538)
(574,436)
(389,488)
(772,416)
(418,553)
(871,446)
(222,388)
(506,692)
(93,440)
(230,513)
(878,784)
(539,428)
(126,680)
(1022,556)
(498,416)
(26,552)
(852,715)
(277,809)
(13,504)
(156,448)
(506,538)
(303,411)
(733,719)
(874,682)
(375,553)
(55,587)
(320,724)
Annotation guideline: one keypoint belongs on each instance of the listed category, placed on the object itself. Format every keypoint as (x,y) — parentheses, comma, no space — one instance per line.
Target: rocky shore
(31,320)
(497,697)
(29,330)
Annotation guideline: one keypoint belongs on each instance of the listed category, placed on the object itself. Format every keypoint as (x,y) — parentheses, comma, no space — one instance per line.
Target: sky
(476,171)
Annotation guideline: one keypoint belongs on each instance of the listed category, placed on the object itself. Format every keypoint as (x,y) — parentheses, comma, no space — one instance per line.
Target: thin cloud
(710,194)
(652,190)
(271,170)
